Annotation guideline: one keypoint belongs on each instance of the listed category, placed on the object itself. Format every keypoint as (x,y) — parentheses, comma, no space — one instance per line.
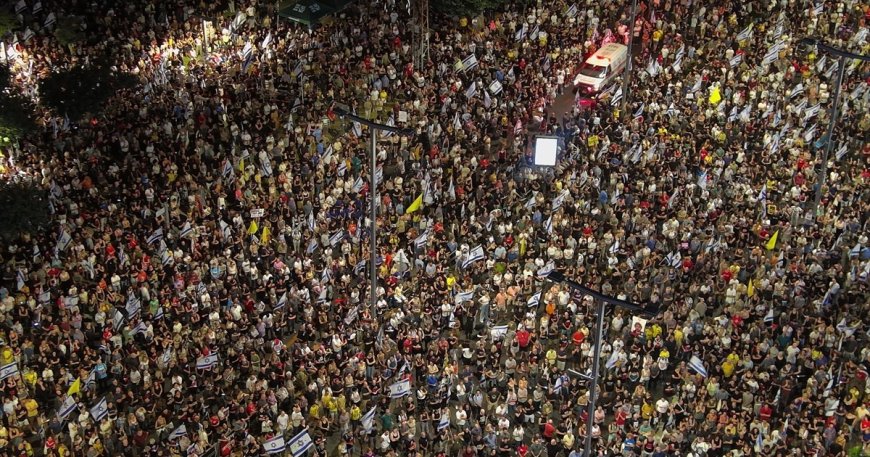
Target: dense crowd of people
(203,287)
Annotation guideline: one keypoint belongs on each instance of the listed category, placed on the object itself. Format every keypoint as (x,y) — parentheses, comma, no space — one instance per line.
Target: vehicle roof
(606,54)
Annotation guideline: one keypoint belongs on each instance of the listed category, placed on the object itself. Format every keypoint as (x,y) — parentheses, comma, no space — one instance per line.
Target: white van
(600,68)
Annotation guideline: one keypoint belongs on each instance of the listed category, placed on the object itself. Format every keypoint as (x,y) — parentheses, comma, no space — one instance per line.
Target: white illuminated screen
(546,149)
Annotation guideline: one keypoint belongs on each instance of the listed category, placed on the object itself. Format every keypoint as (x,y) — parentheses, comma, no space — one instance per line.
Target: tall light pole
(629,62)
(374,128)
(601,301)
(835,112)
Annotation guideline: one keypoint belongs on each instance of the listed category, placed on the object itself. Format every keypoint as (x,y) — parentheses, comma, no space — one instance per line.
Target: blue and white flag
(167,355)
(247,51)
(368,419)
(8,370)
(207,362)
(855,251)
(400,389)
(472,90)
(360,267)
(559,201)
(639,111)
(20,6)
(275,446)
(612,360)
(49,20)
(745,34)
(336,238)
(19,279)
(379,175)
(91,379)
(473,256)
(469,63)
(445,421)
(531,203)
(559,384)
(762,197)
(841,152)
(133,305)
(548,225)
(534,300)
(768,318)
(572,11)
(100,410)
(546,269)
(180,431)
(37,7)
(156,236)
(495,87)
(187,229)
(312,246)
(67,407)
(696,364)
(498,332)
(521,33)
(357,185)
(326,275)
(463,297)
(300,443)
(421,240)
(266,41)
(282,302)
(63,241)
(799,89)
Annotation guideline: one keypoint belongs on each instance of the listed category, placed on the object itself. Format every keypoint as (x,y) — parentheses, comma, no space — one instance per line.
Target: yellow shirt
(727,368)
(32,407)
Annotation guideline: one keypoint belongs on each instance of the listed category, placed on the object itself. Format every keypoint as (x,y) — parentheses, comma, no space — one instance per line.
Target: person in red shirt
(523,337)
(765,412)
(549,430)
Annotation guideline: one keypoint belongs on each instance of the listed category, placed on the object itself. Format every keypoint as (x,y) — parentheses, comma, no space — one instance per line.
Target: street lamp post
(629,63)
(374,128)
(835,112)
(601,301)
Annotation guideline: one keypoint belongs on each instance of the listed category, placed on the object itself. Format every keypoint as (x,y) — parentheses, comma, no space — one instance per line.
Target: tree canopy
(16,111)
(81,91)
(23,208)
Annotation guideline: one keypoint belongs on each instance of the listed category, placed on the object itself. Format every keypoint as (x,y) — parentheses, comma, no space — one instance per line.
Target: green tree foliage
(23,209)
(458,8)
(7,20)
(16,111)
(69,30)
(81,91)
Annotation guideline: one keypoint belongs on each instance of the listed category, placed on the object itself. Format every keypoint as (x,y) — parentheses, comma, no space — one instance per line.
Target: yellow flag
(750,290)
(253,228)
(715,96)
(416,205)
(241,165)
(75,387)
(772,242)
(265,236)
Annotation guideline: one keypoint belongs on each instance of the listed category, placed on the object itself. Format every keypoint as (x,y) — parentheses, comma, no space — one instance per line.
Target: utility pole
(374,128)
(629,63)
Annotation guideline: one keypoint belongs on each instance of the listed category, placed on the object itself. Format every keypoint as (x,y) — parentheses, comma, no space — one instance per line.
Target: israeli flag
(421,240)
(357,185)
(140,328)
(312,246)
(531,203)
(810,133)
(745,34)
(266,41)
(521,33)
(282,302)
(300,443)
(63,241)
(444,422)
(91,380)
(118,319)
(735,61)
(498,332)
(8,370)
(400,389)
(472,90)
(20,6)
(546,269)
(360,267)
(19,280)
(133,306)
(207,362)
(534,300)
(614,248)
(226,231)
(696,364)
(156,236)
(473,256)
(768,318)
(336,238)
(187,229)
(178,432)
(325,276)
(548,225)
(559,384)
(167,355)
(368,419)
(100,410)
(37,7)
(275,445)
(572,11)
(799,89)
(639,111)
(463,297)
(495,87)
(247,51)
(612,360)
(559,201)
(67,407)
(841,152)
(844,327)
(855,251)
(487,100)
(469,62)
(379,175)
(49,20)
